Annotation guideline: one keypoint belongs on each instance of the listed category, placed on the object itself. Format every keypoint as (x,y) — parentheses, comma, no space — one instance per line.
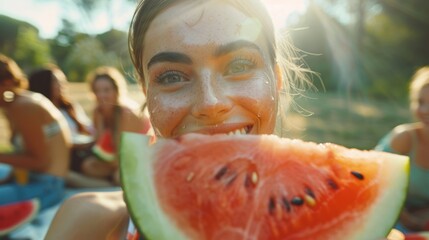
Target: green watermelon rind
(134,159)
(35,210)
(102,154)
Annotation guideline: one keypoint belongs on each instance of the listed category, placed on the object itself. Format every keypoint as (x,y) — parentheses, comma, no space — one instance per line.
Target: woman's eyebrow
(234,46)
(174,57)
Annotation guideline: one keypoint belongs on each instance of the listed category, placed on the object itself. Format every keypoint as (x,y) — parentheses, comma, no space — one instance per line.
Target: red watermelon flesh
(259,187)
(104,148)
(15,215)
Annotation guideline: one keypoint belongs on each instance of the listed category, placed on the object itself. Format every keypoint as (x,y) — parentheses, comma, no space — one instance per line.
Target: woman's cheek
(259,91)
(166,111)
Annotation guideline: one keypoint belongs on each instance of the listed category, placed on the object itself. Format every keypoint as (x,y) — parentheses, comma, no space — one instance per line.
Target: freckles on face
(167,109)
(207,70)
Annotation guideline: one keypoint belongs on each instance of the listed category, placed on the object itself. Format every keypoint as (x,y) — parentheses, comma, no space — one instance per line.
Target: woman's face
(105,93)
(58,85)
(207,70)
(421,108)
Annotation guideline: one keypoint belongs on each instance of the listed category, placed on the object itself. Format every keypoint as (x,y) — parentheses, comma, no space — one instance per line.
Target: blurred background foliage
(367,48)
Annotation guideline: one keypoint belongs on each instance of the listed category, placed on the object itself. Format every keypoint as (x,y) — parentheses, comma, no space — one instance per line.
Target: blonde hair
(114,75)
(419,80)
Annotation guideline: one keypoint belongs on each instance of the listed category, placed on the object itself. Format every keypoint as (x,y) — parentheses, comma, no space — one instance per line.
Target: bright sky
(46,15)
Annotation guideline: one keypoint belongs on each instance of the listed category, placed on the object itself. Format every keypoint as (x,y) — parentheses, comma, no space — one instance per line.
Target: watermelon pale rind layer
(140,193)
(102,154)
(140,190)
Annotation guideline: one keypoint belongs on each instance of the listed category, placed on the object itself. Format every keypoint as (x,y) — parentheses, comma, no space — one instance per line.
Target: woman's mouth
(230,129)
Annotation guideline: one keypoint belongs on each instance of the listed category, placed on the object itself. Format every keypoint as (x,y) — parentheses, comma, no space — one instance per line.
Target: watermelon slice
(15,215)
(104,148)
(259,187)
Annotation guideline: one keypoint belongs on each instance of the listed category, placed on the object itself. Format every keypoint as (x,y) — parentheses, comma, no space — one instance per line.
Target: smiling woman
(206,67)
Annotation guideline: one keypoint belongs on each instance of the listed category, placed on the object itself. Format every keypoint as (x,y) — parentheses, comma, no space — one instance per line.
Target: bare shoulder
(97,202)
(402,137)
(126,110)
(93,215)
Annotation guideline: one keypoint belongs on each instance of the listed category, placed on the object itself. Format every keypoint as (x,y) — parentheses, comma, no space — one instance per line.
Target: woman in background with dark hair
(40,139)
(51,82)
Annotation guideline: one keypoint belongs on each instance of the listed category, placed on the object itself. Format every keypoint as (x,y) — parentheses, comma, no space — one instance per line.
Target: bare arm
(36,156)
(401,141)
(92,216)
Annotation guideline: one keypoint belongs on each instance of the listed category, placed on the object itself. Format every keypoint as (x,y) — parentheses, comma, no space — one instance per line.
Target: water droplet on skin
(272,98)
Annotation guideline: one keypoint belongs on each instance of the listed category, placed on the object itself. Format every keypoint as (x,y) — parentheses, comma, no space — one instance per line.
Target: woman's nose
(211,100)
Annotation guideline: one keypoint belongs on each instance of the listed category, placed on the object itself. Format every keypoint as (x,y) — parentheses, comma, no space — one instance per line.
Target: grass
(340,119)
(357,123)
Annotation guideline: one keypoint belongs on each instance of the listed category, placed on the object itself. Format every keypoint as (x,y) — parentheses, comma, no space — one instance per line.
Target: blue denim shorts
(48,189)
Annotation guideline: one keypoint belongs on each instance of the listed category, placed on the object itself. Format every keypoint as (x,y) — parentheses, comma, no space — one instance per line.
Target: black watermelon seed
(297,201)
(271,205)
(310,192)
(358,175)
(221,173)
(332,184)
(286,204)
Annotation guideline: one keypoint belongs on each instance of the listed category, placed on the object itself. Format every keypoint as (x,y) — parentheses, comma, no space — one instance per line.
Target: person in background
(41,141)
(412,139)
(52,82)
(113,114)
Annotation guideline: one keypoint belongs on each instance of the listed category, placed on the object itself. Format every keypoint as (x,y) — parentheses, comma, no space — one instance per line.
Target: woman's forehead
(193,24)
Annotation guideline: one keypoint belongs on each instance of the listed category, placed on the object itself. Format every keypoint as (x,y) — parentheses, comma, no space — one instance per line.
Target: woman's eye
(171,77)
(240,66)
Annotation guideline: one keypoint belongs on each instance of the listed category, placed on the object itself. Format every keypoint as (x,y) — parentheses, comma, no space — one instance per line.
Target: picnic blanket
(37,229)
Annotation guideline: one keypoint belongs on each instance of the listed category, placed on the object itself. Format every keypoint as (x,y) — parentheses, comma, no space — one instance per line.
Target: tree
(9,28)
(31,51)
(86,55)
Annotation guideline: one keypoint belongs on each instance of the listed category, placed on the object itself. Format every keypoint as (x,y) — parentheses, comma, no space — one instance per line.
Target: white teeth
(238,132)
